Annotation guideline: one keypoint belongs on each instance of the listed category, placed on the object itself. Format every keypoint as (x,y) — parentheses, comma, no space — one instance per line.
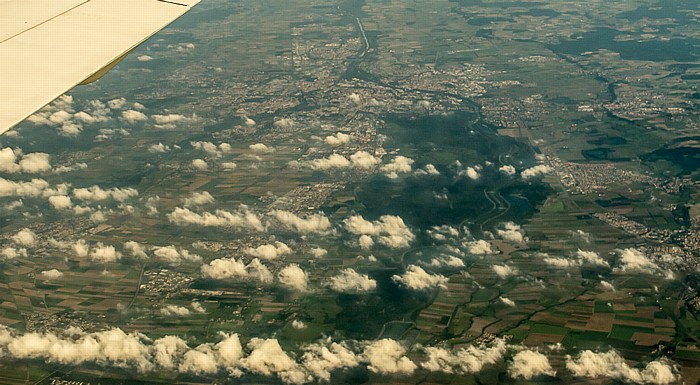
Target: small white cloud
(511,232)
(268,251)
(229,165)
(507,169)
(242,219)
(198,199)
(611,365)
(479,247)
(133,116)
(197,307)
(51,274)
(104,253)
(535,171)
(318,252)
(337,139)
(635,261)
(293,277)
(173,310)
(174,256)
(398,165)
(350,281)
(144,58)
(159,148)
(429,169)
(471,359)
(591,258)
(261,148)
(507,301)
(529,364)
(60,202)
(200,164)
(299,325)
(312,223)
(387,356)
(505,271)
(230,268)
(25,237)
(390,230)
(418,279)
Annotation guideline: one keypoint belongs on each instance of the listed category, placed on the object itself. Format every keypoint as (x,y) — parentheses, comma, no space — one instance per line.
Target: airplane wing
(48,47)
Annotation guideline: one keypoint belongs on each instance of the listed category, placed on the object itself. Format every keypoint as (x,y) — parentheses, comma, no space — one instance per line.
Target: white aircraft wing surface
(48,47)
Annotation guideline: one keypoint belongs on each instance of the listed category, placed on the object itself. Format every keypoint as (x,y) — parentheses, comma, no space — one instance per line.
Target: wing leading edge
(46,51)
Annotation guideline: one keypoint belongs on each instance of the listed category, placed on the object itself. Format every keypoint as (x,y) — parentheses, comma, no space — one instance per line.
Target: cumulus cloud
(331,162)
(293,277)
(104,253)
(313,223)
(261,148)
(390,230)
(231,268)
(365,242)
(159,148)
(14,161)
(504,271)
(429,169)
(284,123)
(418,279)
(318,252)
(200,164)
(529,364)
(268,251)
(446,261)
(133,116)
(471,173)
(173,310)
(170,121)
(268,358)
(136,249)
(25,237)
(243,219)
(322,358)
(635,261)
(198,199)
(464,360)
(511,232)
(211,148)
(387,356)
(350,281)
(507,301)
(337,139)
(96,193)
(561,263)
(591,258)
(229,165)
(611,365)
(535,171)
(507,169)
(360,160)
(144,58)
(51,274)
(60,202)
(299,325)
(607,285)
(174,256)
(197,307)
(33,188)
(480,247)
(9,252)
(398,165)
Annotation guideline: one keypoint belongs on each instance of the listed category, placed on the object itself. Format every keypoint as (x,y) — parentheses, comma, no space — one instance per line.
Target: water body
(675,49)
